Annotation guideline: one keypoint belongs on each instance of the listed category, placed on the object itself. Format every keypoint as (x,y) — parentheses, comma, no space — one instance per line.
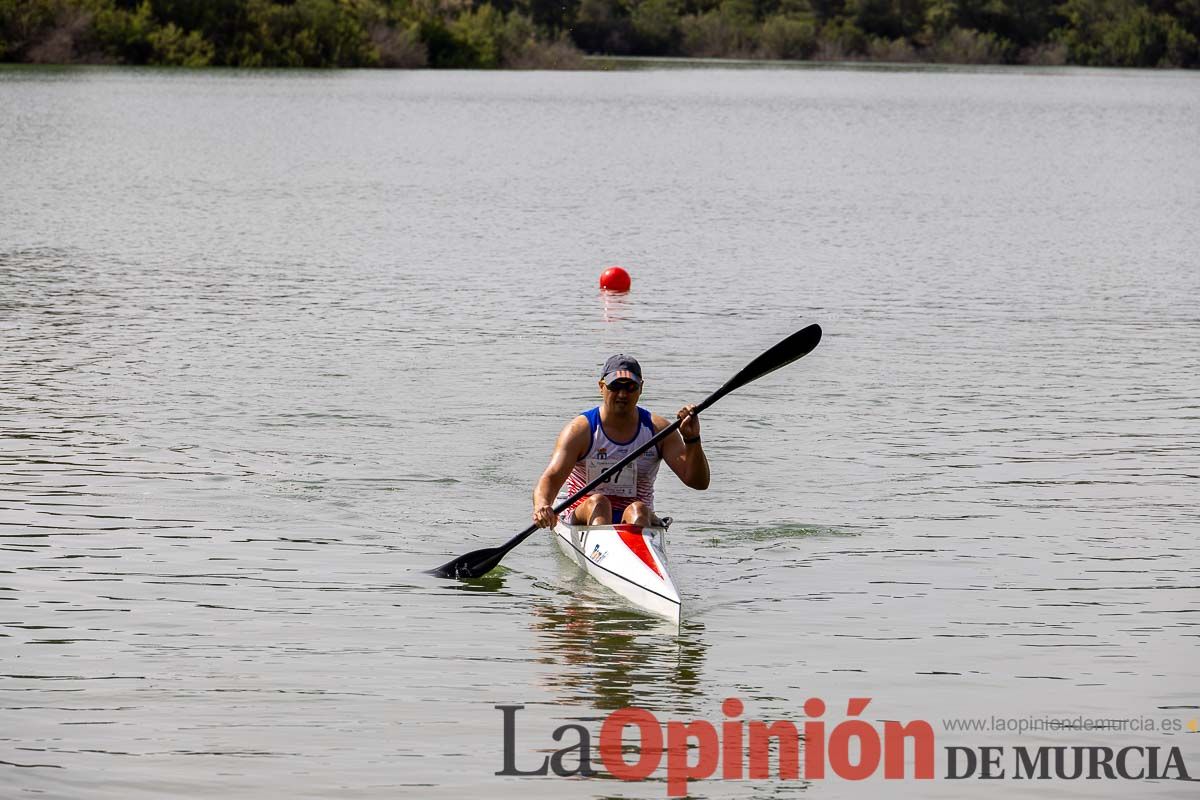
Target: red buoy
(614,279)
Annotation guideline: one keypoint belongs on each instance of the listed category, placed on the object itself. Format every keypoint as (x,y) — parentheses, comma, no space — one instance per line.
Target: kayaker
(602,436)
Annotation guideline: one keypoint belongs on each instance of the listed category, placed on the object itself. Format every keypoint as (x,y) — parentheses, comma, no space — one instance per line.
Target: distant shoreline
(601,63)
(578,34)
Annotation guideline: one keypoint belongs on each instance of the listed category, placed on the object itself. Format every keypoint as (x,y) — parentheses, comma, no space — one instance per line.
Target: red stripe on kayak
(631,535)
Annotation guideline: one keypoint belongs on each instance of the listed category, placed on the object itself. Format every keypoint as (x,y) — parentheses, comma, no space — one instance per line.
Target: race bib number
(623,484)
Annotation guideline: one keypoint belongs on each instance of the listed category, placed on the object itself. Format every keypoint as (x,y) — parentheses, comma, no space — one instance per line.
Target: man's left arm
(683,450)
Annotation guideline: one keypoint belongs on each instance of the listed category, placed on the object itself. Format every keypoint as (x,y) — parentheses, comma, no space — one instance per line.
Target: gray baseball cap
(621,367)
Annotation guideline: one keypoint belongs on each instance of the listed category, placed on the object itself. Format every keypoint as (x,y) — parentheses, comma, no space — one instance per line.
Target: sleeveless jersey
(634,482)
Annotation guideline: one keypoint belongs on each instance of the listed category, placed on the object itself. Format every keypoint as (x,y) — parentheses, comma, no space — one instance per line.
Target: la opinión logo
(633,744)
(739,748)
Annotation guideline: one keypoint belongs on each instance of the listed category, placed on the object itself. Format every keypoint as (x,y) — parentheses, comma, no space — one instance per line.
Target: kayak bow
(631,560)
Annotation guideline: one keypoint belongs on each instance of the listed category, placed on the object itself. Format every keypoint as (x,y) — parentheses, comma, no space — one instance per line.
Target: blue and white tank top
(635,481)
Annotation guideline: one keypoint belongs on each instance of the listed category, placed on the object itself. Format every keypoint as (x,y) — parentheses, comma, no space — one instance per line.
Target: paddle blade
(798,345)
(475,564)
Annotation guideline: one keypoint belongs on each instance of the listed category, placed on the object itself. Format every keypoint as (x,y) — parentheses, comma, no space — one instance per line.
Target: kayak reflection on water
(609,657)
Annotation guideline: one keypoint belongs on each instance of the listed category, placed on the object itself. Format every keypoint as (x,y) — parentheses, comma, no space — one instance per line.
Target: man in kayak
(603,436)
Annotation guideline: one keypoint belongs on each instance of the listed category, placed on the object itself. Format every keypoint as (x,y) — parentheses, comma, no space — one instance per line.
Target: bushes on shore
(554,33)
(267,33)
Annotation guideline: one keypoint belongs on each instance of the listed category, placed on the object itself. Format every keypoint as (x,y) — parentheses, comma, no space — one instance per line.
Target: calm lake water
(273,343)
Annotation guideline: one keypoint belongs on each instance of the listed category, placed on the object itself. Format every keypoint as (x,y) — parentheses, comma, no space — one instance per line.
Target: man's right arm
(570,447)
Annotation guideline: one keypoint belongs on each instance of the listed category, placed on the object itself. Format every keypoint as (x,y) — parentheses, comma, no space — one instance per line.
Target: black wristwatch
(692,440)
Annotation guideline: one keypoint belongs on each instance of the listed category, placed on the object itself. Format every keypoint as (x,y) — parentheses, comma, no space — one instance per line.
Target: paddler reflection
(610,657)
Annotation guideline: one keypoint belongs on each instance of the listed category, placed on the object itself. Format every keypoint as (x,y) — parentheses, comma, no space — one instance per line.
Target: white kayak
(629,559)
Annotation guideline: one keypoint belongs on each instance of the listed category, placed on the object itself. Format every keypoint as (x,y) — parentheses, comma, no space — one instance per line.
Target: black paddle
(800,343)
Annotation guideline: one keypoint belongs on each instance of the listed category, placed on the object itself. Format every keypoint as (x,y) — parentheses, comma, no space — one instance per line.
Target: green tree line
(555,33)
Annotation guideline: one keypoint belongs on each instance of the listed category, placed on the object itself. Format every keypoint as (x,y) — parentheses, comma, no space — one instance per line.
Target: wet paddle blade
(798,345)
(473,565)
